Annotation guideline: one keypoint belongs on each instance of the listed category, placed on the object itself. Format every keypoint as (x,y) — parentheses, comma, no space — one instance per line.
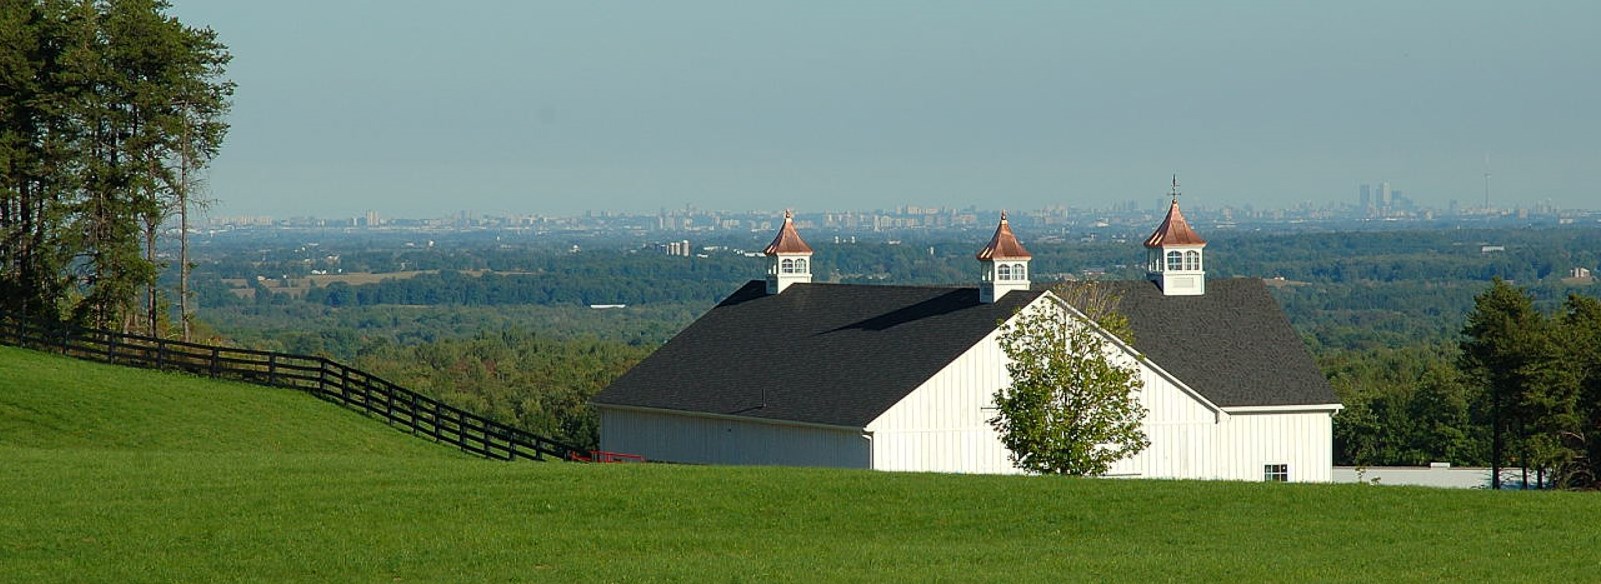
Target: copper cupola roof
(1004,245)
(1174,230)
(787,241)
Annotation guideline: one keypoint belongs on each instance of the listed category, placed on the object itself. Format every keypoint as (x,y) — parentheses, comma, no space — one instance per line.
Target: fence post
(272,369)
(161,354)
(111,349)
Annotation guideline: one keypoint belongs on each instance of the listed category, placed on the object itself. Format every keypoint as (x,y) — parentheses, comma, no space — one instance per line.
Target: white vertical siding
(943,425)
(667,436)
(1183,432)
(1303,440)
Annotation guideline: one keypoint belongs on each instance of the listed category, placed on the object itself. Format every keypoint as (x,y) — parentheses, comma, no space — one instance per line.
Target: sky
(422,109)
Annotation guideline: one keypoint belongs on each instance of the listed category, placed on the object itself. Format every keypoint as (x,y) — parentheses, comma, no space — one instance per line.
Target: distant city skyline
(556,108)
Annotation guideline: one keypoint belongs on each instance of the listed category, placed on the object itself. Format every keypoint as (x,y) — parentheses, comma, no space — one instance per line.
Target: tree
(107,109)
(1581,329)
(1072,407)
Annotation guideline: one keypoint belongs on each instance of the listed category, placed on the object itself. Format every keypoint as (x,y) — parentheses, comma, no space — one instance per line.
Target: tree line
(1521,389)
(110,110)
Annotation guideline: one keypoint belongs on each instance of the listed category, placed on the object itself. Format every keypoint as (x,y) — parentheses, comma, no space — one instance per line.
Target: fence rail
(332,381)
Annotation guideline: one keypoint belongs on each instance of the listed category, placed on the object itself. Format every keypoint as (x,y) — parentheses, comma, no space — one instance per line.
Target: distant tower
(1005,264)
(789,259)
(1174,253)
(1486,182)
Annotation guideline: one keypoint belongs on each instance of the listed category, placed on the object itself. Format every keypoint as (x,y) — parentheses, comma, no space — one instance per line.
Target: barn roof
(843,354)
(1232,344)
(835,354)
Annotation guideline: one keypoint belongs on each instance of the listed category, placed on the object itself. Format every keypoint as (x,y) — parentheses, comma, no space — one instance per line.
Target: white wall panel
(1303,440)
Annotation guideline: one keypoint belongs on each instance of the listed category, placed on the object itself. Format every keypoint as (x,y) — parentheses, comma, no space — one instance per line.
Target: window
(1175,261)
(1003,272)
(800,266)
(1192,260)
(1018,272)
(1276,473)
(788,266)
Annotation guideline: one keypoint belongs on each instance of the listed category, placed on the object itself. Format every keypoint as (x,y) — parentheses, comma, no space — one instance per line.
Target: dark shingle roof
(835,354)
(1232,344)
(841,354)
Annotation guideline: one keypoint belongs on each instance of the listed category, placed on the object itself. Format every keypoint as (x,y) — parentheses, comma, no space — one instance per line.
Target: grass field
(112,475)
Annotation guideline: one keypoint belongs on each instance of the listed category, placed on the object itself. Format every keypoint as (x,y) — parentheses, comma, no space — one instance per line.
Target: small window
(800,265)
(788,266)
(1175,261)
(1192,260)
(1003,272)
(1018,272)
(1276,473)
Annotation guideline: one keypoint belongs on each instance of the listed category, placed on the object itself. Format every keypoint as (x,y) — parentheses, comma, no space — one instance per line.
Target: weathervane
(1175,191)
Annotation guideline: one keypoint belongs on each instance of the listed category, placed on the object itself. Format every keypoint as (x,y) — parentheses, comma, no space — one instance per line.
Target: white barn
(788,372)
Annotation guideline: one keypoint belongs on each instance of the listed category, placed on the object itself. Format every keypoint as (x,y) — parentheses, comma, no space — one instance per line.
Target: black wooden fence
(326,379)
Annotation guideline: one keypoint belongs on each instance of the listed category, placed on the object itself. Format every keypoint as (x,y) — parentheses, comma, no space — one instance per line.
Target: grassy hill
(114,475)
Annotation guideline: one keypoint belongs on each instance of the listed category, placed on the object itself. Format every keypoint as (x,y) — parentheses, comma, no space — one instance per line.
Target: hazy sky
(425,108)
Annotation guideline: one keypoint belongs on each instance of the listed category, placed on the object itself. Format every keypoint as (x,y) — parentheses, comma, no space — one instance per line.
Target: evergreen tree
(108,109)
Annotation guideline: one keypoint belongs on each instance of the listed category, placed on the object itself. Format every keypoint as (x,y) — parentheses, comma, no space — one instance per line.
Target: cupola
(1005,264)
(1174,253)
(789,259)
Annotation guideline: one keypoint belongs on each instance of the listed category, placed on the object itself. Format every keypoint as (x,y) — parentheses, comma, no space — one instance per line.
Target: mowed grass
(114,475)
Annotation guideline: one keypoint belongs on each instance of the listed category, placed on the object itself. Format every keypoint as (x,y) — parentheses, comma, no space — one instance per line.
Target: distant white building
(790,372)
(1579,273)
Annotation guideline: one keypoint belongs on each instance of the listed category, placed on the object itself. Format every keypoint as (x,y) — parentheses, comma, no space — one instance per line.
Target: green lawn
(113,475)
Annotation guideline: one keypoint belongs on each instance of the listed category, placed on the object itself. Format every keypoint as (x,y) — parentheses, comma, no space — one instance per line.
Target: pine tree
(109,110)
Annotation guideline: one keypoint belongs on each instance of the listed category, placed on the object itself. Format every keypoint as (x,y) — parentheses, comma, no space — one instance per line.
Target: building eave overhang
(1284,409)
(729,417)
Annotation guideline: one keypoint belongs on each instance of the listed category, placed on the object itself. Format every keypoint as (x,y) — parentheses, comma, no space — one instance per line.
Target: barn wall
(1183,432)
(665,436)
(1303,440)
(943,425)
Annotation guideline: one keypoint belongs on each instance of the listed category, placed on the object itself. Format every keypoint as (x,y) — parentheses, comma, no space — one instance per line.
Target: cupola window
(1175,261)
(1192,260)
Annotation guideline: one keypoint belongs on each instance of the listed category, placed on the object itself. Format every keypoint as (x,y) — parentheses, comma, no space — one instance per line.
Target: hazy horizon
(557,108)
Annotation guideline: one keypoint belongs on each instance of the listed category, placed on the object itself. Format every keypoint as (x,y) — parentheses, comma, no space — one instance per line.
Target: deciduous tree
(1072,406)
